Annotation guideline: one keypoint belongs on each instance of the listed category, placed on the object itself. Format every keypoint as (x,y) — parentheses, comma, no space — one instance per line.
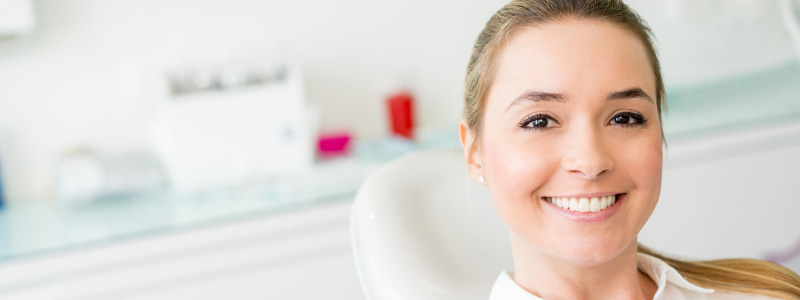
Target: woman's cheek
(651,160)
(516,171)
(645,166)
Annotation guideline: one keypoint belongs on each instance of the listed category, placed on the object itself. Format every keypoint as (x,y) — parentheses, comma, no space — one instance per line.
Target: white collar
(662,274)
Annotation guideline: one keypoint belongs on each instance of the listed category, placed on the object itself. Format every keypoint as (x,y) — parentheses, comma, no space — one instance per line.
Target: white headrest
(422,229)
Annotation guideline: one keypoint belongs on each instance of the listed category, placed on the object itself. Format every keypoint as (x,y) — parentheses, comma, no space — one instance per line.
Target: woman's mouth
(588,208)
(583,204)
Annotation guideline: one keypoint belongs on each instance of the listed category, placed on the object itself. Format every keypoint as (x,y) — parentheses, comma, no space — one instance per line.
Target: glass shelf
(35,228)
(755,100)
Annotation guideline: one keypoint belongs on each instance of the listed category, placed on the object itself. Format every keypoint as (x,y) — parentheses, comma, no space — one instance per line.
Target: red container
(401,114)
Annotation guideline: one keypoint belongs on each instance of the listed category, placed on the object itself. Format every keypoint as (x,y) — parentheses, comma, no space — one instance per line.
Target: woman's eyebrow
(630,94)
(533,96)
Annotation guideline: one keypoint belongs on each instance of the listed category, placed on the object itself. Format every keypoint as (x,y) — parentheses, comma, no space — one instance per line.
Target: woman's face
(571,117)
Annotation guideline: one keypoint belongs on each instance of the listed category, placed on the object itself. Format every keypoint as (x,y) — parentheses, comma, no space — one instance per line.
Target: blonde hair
(740,275)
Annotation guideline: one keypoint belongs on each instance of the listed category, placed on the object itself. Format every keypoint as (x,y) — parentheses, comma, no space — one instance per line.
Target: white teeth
(583,205)
(593,204)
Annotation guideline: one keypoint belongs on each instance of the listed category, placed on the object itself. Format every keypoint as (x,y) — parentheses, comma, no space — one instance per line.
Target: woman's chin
(583,250)
(588,254)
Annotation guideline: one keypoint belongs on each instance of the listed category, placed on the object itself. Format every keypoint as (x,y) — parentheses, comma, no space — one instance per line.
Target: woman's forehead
(572,57)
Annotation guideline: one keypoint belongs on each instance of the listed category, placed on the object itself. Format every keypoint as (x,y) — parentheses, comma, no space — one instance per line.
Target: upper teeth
(593,204)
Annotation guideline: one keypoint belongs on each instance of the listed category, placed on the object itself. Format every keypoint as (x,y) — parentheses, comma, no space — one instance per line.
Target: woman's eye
(628,119)
(539,121)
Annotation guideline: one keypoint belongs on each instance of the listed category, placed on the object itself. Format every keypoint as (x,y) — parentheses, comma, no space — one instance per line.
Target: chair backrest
(422,229)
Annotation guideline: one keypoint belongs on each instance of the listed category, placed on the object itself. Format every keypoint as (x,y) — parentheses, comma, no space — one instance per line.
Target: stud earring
(481,179)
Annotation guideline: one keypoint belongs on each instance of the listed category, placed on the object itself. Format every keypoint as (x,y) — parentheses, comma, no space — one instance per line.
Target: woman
(562,122)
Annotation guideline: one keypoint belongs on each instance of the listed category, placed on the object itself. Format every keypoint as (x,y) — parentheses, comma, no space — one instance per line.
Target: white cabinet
(733,194)
(299,255)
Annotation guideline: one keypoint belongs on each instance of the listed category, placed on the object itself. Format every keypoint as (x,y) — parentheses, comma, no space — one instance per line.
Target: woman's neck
(552,278)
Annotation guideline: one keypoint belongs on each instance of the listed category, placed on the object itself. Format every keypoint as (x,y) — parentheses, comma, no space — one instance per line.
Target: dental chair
(422,229)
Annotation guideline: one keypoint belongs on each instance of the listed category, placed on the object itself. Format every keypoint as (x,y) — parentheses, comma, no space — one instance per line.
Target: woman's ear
(471,154)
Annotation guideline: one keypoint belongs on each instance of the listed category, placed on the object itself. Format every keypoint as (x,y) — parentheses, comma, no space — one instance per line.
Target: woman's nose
(586,155)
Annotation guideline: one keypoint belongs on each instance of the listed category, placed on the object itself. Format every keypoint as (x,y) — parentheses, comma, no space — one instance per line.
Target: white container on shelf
(16,17)
(211,134)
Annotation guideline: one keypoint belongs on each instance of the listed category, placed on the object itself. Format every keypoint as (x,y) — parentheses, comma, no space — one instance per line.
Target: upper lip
(585,195)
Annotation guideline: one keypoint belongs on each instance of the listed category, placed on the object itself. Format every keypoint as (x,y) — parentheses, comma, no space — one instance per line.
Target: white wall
(88,75)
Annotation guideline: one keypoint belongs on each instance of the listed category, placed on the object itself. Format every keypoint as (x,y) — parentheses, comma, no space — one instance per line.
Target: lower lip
(588,216)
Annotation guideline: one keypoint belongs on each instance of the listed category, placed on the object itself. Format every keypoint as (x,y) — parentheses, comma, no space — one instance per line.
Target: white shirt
(671,285)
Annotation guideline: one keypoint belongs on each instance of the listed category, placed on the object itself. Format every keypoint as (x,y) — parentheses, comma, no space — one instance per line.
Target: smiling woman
(562,122)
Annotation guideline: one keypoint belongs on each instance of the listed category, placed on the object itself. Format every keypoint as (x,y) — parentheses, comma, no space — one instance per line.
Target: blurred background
(202,129)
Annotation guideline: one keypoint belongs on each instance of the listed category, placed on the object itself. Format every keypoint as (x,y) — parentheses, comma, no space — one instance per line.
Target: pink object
(785,256)
(333,144)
